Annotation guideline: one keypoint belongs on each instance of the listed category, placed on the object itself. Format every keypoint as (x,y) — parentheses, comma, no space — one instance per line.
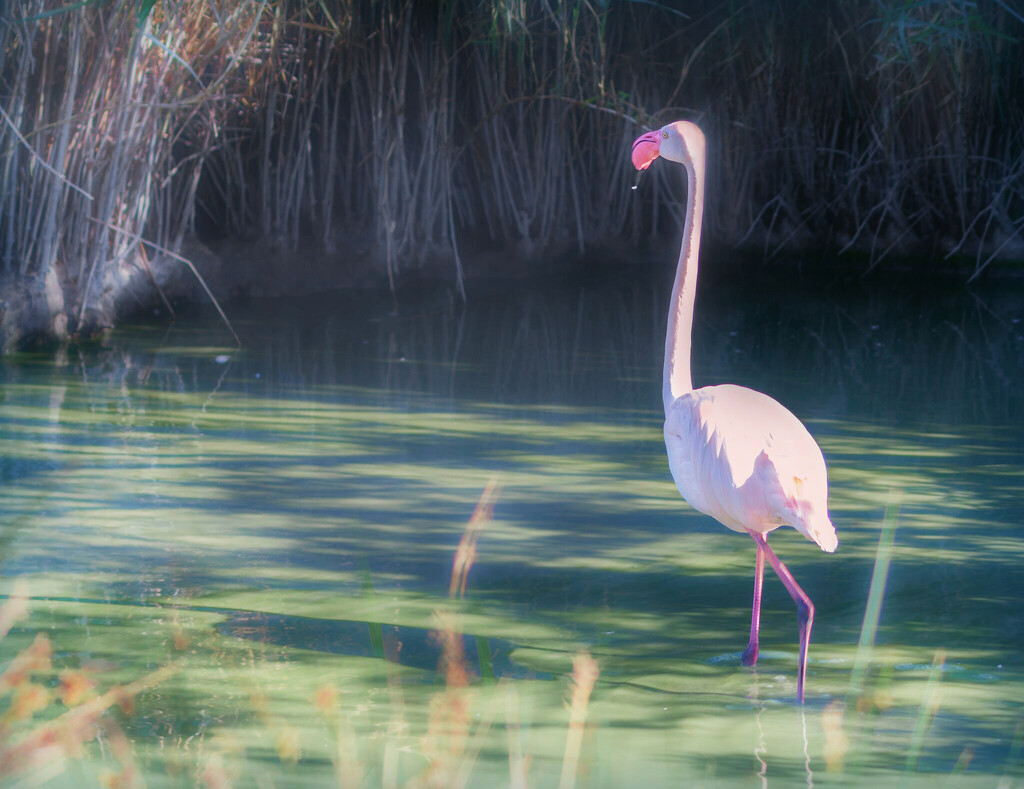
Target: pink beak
(646,148)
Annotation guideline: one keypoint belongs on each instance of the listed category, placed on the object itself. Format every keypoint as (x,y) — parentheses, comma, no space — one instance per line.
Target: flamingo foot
(749,656)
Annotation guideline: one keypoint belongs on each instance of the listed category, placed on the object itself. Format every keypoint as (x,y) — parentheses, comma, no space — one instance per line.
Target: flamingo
(735,454)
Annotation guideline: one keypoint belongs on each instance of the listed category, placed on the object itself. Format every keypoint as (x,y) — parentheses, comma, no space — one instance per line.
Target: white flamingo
(735,454)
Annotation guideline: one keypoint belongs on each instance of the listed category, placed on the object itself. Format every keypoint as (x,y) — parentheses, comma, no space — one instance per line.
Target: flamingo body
(744,459)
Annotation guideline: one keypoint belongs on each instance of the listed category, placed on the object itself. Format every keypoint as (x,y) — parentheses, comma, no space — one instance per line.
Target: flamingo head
(681,142)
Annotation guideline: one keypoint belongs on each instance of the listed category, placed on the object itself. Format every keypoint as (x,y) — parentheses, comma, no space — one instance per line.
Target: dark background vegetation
(318,143)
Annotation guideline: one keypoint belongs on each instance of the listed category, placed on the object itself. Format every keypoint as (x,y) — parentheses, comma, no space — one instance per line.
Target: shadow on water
(486,658)
(161,466)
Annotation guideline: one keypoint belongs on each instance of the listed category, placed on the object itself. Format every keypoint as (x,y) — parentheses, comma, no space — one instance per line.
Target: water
(280,521)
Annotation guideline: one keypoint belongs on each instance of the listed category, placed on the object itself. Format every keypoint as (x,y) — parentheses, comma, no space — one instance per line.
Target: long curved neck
(677,380)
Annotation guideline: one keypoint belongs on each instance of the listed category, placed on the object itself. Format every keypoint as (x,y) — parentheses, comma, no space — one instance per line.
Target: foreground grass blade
(873,609)
(929,706)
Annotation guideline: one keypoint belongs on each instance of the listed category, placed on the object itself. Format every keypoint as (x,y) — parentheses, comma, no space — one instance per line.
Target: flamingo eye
(664,134)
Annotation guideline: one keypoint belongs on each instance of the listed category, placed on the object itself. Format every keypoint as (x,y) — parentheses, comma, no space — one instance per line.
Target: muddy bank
(45,308)
(48,307)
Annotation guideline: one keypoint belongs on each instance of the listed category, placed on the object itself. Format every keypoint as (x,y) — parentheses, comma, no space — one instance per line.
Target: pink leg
(804,607)
(750,653)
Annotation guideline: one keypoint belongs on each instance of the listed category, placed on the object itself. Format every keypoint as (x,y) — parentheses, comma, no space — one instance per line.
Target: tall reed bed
(877,126)
(433,130)
(885,127)
(420,125)
(108,113)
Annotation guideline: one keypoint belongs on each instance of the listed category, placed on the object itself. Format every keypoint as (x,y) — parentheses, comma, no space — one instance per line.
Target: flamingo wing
(745,460)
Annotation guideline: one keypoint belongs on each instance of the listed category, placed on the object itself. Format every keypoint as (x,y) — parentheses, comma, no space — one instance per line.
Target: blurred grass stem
(876,594)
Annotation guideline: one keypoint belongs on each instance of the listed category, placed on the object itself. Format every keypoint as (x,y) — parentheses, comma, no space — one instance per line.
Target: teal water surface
(277,525)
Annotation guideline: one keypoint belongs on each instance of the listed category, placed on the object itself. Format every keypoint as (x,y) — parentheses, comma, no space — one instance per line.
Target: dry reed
(584,676)
(40,751)
(465,554)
